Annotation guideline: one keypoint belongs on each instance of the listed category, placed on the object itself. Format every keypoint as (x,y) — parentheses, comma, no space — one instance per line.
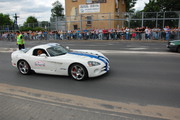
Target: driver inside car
(39,52)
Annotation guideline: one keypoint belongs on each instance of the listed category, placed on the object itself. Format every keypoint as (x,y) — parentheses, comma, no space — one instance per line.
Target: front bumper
(172,47)
(98,70)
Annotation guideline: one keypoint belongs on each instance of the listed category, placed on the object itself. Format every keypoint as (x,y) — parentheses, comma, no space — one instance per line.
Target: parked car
(53,58)
(174,45)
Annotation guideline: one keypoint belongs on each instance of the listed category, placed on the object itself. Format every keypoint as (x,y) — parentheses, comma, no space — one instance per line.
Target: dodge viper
(55,59)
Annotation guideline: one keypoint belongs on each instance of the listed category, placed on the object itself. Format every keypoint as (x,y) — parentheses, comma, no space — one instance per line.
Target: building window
(123,2)
(74,0)
(88,1)
(89,20)
(75,27)
(98,1)
(76,11)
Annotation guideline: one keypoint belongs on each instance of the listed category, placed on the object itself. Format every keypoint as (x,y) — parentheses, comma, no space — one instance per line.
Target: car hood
(175,41)
(84,54)
(92,52)
(79,56)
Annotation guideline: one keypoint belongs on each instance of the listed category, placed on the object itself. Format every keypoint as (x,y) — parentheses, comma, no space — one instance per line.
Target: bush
(31,29)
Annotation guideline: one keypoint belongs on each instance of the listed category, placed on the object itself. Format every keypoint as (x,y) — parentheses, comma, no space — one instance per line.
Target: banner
(90,8)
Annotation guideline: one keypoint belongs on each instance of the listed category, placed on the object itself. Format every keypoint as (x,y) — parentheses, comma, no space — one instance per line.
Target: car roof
(45,46)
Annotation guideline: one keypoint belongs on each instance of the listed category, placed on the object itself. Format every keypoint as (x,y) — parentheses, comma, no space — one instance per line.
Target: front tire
(178,49)
(78,72)
(24,67)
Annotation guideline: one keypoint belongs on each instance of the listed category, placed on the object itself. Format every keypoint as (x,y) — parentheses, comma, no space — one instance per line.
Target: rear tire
(78,72)
(24,67)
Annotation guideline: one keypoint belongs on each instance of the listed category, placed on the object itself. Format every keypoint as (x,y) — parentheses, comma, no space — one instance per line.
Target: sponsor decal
(40,63)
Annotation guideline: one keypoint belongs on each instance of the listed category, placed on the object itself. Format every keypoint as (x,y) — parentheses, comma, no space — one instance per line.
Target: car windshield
(25,50)
(57,50)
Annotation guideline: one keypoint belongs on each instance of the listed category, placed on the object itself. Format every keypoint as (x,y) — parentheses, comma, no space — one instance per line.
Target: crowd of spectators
(139,33)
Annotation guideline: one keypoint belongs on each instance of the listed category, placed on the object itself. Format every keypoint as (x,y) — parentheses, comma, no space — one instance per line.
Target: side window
(37,52)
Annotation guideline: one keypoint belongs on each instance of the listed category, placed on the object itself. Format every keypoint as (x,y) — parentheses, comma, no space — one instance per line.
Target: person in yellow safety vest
(20,41)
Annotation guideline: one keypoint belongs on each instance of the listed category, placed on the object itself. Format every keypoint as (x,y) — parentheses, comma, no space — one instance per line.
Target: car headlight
(172,43)
(93,63)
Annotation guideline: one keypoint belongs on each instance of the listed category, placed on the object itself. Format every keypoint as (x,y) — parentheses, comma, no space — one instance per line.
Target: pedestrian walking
(167,31)
(20,41)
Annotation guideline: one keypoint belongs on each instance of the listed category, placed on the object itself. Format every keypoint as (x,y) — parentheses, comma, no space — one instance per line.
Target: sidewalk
(21,103)
(12,44)
(19,108)
(7,46)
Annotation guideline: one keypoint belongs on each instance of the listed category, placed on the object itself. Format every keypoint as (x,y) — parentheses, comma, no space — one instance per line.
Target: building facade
(91,14)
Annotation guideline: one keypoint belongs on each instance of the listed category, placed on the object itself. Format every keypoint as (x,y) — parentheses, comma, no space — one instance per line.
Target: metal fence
(93,35)
(125,19)
(107,20)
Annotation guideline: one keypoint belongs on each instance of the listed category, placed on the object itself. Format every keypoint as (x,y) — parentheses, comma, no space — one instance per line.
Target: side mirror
(67,47)
(43,55)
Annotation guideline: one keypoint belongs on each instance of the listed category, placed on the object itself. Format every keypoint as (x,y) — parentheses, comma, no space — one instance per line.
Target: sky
(40,9)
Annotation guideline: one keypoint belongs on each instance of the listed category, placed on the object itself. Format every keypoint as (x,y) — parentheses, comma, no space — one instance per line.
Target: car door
(42,63)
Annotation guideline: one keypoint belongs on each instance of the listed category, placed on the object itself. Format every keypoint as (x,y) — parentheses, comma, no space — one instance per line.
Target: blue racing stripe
(101,58)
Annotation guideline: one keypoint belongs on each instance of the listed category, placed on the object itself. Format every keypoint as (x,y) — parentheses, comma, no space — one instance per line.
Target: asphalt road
(138,78)
(125,45)
(147,76)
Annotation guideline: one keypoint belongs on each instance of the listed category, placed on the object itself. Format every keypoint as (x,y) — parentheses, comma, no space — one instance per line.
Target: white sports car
(53,58)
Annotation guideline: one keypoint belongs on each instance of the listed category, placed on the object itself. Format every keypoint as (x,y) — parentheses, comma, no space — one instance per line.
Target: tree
(152,6)
(162,6)
(31,19)
(34,25)
(57,10)
(5,19)
(136,23)
(130,5)
(31,22)
(45,24)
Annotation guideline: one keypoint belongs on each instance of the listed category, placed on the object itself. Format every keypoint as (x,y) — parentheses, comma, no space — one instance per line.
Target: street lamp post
(179,18)
(142,23)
